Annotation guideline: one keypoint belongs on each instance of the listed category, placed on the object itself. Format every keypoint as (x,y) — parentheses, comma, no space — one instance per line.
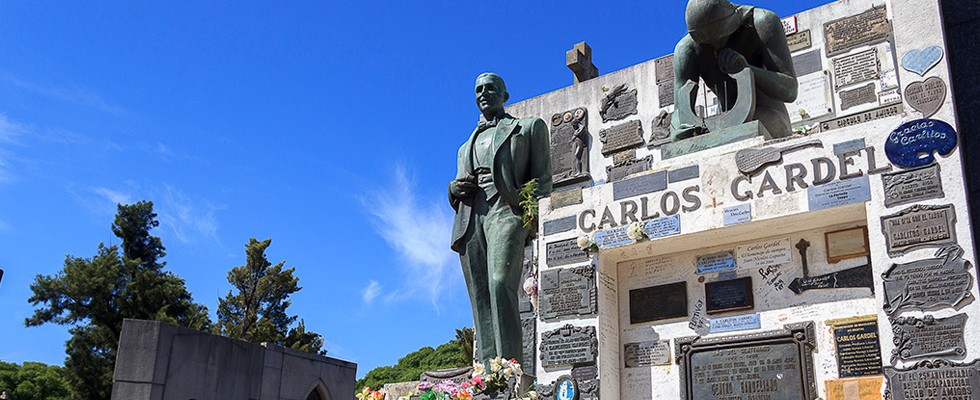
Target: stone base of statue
(717,138)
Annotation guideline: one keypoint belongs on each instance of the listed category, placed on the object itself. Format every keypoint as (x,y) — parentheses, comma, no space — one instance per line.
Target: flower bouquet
(367,394)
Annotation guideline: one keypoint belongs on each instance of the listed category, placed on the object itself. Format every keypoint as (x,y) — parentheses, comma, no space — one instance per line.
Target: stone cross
(579,60)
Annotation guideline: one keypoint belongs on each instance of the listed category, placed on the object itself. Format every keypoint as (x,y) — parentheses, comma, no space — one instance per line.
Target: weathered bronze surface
(913,185)
(660,129)
(928,337)
(657,303)
(623,156)
(620,137)
(860,118)
(730,295)
(774,365)
(664,70)
(568,292)
(943,281)
(645,354)
(753,159)
(619,103)
(855,277)
(858,349)
(569,346)
(856,68)
(933,379)
(847,33)
(919,226)
(570,146)
(926,97)
(858,96)
(620,171)
(566,197)
(564,252)
(529,328)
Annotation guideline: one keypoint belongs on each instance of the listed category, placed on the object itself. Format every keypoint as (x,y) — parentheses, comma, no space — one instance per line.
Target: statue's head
(711,22)
(491,94)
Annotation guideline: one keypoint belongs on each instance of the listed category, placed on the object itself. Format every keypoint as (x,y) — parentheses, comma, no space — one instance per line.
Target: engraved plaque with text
(618,104)
(664,69)
(568,292)
(620,171)
(620,137)
(569,135)
(858,349)
(912,185)
(856,68)
(931,380)
(730,295)
(569,346)
(856,97)
(919,226)
(924,284)
(860,118)
(656,303)
(928,337)
(799,41)
(645,354)
(867,28)
(565,252)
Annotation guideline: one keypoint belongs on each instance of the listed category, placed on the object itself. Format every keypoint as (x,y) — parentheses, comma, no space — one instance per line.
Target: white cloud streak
(75,95)
(371,291)
(189,219)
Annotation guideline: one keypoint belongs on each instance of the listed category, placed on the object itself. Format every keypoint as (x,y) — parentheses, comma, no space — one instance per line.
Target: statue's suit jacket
(521,152)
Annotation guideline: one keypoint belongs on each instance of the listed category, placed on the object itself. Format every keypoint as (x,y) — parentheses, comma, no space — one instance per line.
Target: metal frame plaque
(928,337)
(624,136)
(846,244)
(730,295)
(869,27)
(912,185)
(618,104)
(934,379)
(934,282)
(919,226)
(567,129)
(657,303)
(564,252)
(568,292)
(858,348)
(776,365)
(569,346)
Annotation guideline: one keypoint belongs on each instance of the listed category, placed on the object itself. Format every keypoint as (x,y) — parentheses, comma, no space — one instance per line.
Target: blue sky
(330,127)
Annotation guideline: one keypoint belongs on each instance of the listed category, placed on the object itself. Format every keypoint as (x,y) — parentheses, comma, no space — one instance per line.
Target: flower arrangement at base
(635,231)
(449,390)
(367,394)
(502,376)
(587,245)
(531,289)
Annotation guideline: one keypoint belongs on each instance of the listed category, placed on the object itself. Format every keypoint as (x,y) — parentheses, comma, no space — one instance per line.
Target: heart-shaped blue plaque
(921,61)
(913,143)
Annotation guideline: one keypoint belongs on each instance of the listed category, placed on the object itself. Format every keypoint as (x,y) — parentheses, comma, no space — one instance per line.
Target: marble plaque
(643,184)
(919,226)
(856,68)
(529,329)
(839,193)
(736,323)
(855,97)
(559,225)
(858,349)
(799,41)
(913,185)
(846,244)
(807,63)
(613,237)
(862,117)
(932,380)
(564,252)
(812,99)
(739,214)
(620,137)
(864,29)
(568,346)
(620,171)
(789,25)
(662,227)
(849,146)
(764,254)
(914,143)
(730,295)
(567,292)
(645,354)
(664,69)
(657,303)
(868,388)
(568,130)
(942,281)
(683,174)
(619,103)
(928,337)
(566,197)
(717,262)
(773,365)
(926,97)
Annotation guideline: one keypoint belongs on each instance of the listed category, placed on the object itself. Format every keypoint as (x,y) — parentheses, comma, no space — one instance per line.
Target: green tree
(464,338)
(410,367)
(94,295)
(33,381)
(256,310)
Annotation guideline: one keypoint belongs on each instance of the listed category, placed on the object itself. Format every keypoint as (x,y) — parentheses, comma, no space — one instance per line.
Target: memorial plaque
(855,277)
(919,226)
(731,295)
(799,41)
(736,323)
(660,129)
(566,197)
(926,97)
(623,156)
(717,262)
(664,70)
(860,118)
(846,244)
(618,172)
(683,174)
(623,136)
(529,328)
(619,103)
(643,184)
(943,281)
(921,61)
(645,354)
(849,146)
(559,225)
(565,252)
(808,63)
(657,303)
(739,214)
(928,337)
(932,380)
(912,185)
(862,95)
(864,29)
(569,346)
(913,143)
(662,227)
(569,130)
(868,388)
(527,267)
(613,237)
(858,349)
(773,365)
(764,254)
(812,99)
(567,292)
(789,25)
(856,68)
(839,193)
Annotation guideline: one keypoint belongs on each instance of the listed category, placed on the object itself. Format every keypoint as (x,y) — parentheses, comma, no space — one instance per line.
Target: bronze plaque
(928,337)
(856,68)
(860,118)
(564,252)
(773,365)
(664,70)
(619,171)
(912,185)
(623,156)
(568,292)
(620,137)
(858,349)
(864,29)
(868,388)
(855,97)
(645,354)
(657,303)
(566,197)
(730,295)
(568,346)
(569,131)
(943,281)
(799,41)
(933,380)
(618,104)
(919,226)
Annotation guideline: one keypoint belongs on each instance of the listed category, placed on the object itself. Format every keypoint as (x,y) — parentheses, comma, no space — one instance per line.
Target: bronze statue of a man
(724,39)
(500,156)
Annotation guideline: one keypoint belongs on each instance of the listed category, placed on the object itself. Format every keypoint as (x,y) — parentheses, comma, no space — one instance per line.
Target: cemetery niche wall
(836,263)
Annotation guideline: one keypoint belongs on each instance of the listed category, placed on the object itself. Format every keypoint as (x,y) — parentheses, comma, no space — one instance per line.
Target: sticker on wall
(927,96)
(921,61)
(913,143)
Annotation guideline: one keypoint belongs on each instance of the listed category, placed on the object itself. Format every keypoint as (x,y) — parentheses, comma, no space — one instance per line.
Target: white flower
(479,369)
(584,242)
(495,364)
(531,286)
(635,231)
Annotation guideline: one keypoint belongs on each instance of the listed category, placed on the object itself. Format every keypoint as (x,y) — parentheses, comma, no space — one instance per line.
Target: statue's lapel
(468,152)
(505,129)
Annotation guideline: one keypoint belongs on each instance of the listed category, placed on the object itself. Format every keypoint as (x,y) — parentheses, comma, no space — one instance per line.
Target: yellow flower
(479,369)
(495,364)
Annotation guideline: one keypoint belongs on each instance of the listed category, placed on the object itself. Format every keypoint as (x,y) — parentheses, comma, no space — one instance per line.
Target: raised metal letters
(568,346)
(773,365)
(935,379)
(856,68)
(564,252)
(645,354)
(570,146)
(862,95)
(619,103)
(926,97)
(943,281)
(619,171)
(568,292)
(867,28)
(912,185)
(919,226)
(858,349)
(921,61)
(656,303)
(730,295)
(860,118)
(928,337)
(623,136)
(913,143)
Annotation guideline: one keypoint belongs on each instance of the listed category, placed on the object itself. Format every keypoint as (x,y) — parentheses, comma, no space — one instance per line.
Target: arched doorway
(314,395)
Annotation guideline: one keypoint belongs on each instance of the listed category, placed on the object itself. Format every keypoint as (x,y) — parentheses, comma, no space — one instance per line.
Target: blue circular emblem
(566,389)
(913,143)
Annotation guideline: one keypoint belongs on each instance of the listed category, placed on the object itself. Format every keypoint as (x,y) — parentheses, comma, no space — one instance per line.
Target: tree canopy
(451,354)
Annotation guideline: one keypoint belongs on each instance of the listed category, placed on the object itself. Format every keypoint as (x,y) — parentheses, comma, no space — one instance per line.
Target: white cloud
(189,219)
(419,231)
(114,196)
(371,291)
(10,131)
(76,95)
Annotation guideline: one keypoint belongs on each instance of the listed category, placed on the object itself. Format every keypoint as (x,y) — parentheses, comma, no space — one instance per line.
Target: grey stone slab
(566,197)
(808,63)
(683,174)
(569,346)
(645,354)
(639,185)
(559,225)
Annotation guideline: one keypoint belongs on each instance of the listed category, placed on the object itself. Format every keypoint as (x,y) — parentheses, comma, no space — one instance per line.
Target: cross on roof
(579,60)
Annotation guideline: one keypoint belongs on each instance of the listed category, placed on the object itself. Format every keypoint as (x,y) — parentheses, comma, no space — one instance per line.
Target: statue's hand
(464,187)
(731,61)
